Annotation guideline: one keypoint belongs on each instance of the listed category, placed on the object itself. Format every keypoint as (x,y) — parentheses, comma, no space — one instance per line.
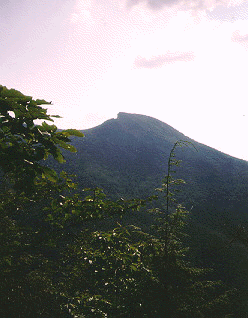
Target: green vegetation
(127,157)
(56,263)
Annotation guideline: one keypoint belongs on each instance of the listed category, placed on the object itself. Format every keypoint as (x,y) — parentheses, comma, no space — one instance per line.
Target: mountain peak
(140,124)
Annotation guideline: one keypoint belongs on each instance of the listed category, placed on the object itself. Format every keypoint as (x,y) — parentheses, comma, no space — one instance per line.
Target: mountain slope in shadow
(127,157)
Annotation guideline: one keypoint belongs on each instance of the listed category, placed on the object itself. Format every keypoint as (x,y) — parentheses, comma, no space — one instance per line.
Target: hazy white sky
(183,62)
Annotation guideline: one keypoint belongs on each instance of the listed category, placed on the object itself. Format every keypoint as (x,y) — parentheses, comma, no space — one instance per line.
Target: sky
(182,62)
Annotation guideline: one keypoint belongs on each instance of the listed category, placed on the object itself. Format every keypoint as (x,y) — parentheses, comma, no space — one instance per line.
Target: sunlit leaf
(74,132)
(50,174)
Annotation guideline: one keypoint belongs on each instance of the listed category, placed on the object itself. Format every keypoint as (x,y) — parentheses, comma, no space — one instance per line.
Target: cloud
(154,4)
(240,39)
(82,12)
(232,12)
(159,61)
(237,37)
(184,4)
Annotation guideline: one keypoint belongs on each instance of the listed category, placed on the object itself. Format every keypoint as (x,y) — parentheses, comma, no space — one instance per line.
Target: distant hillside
(127,157)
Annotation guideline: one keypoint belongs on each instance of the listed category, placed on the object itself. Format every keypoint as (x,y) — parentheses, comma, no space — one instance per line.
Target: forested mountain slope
(64,255)
(128,157)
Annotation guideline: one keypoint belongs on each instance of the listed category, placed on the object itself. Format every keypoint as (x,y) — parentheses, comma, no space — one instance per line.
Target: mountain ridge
(124,118)
(127,157)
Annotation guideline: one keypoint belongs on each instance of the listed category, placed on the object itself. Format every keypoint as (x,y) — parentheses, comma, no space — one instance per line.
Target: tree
(55,259)
(26,276)
(179,288)
(24,144)
(52,264)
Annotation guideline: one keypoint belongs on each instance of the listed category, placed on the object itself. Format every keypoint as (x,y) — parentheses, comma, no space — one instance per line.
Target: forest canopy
(55,263)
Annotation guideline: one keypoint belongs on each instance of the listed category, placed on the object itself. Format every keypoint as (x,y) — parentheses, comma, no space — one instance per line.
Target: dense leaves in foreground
(55,259)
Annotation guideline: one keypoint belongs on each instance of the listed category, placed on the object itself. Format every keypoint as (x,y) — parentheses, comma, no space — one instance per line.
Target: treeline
(54,263)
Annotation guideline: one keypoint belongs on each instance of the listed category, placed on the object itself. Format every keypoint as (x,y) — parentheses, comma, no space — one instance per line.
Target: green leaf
(42,102)
(74,132)
(133,267)
(67,146)
(59,157)
(48,127)
(50,174)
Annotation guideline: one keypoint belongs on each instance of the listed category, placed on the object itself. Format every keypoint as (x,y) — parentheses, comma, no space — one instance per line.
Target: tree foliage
(24,144)
(57,261)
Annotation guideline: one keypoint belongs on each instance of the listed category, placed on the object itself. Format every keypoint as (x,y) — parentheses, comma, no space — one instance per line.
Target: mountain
(127,157)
